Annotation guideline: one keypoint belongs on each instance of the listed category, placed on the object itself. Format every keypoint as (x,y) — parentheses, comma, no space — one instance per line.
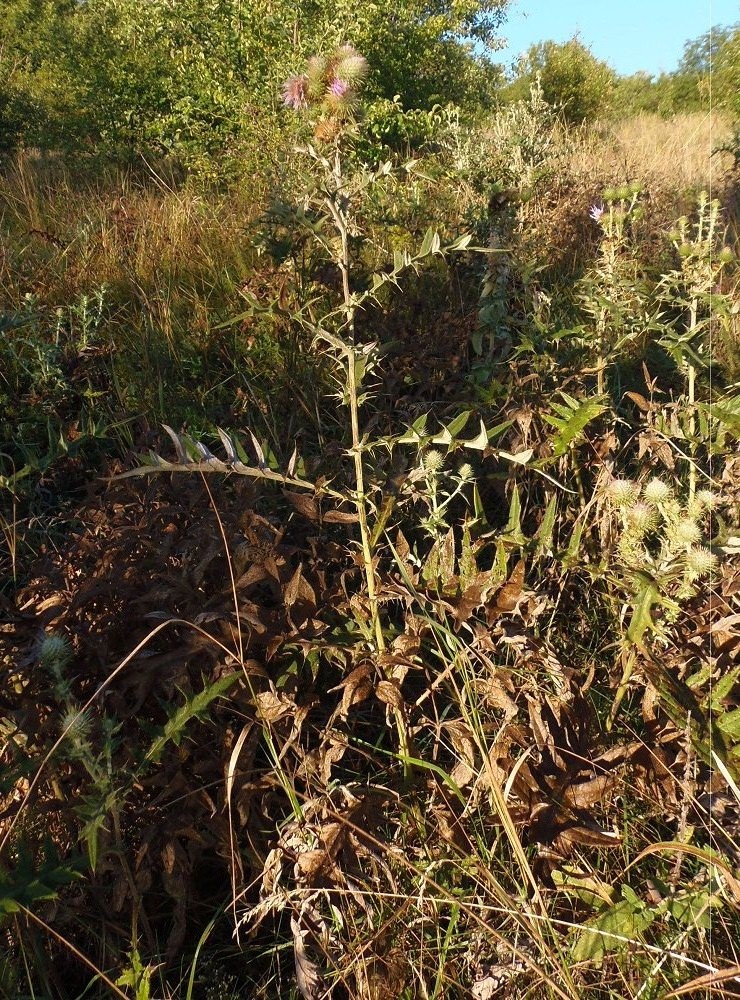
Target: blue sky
(630,35)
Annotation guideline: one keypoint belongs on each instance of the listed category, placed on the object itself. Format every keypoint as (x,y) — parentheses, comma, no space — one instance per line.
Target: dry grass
(151,237)
(673,154)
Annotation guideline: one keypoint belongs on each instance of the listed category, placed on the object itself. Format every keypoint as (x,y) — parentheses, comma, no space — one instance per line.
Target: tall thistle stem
(338,214)
(691,394)
(335,203)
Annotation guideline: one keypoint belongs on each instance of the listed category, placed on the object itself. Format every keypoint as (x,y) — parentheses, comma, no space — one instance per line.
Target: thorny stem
(334,204)
(343,262)
(691,393)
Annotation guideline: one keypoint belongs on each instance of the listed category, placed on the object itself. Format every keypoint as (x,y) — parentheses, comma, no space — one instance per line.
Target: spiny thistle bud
(77,726)
(656,491)
(686,532)
(316,78)
(465,471)
(55,652)
(622,492)
(350,65)
(642,518)
(695,509)
(707,499)
(433,461)
(700,561)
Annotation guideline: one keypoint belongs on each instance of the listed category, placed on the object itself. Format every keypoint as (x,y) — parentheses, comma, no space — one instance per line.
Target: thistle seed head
(622,492)
(656,491)
(701,561)
(642,518)
(687,532)
(433,461)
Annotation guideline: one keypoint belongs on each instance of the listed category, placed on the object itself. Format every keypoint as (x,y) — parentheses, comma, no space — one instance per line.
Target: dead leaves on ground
(276,607)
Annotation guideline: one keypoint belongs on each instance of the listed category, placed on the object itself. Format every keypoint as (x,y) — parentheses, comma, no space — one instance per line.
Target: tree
(188,75)
(571,77)
(707,73)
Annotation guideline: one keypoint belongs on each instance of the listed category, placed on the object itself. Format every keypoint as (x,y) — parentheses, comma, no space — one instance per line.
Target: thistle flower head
(596,212)
(55,652)
(316,78)
(657,491)
(642,518)
(701,561)
(686,532)
(350,65)
(726,256)
(295,92)
(622,492)
(433,461)
(707,499)
(465,471)
(339,95)
(338,87)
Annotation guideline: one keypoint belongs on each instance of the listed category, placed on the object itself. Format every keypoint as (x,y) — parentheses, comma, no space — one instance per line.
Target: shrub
(571,77)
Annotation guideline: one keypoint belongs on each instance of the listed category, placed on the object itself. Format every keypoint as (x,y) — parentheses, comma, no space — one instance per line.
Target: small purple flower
(596,212)
(295,92)
(338,88)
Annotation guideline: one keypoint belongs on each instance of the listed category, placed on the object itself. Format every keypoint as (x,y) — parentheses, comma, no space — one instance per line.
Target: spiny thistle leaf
(194,456)
(572,419)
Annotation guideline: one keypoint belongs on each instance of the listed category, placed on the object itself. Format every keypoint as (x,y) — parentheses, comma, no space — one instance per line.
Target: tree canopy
(187,75)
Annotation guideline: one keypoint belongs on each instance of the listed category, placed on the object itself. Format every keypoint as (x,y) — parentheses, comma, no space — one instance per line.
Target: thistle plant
(55,656)
(663,537)
(614,294)
(441,488)
(660,560)
(329,91)
(690,294)
(327,95)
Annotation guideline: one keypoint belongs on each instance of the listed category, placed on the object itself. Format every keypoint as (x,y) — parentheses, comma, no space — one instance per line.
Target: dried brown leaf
(355,687)
(308,978)
(298,588)
(330,756)
(588,793)
(304,504)
(507,598)
(340,517)
(271,706)
(462,773)
(585,836)
(640,401)
(389,693)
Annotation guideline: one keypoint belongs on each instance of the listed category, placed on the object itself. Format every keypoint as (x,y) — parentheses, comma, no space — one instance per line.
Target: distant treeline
(200,79)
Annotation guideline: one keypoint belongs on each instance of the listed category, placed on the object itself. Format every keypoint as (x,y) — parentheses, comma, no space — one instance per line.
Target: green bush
(571,78)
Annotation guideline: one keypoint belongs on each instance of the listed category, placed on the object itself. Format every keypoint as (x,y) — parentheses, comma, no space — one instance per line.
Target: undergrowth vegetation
(403,661)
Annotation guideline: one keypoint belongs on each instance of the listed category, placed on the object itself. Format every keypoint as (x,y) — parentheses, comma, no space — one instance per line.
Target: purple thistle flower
(338,88)
(596,212)
(295,92)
